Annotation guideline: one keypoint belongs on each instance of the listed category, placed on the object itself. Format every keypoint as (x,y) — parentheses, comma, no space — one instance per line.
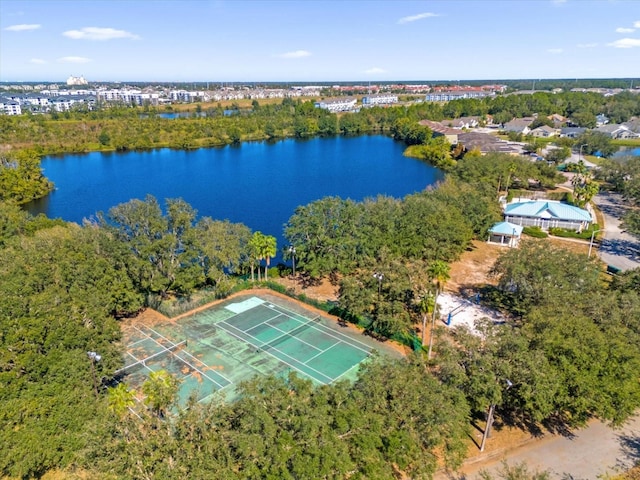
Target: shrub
(535,232)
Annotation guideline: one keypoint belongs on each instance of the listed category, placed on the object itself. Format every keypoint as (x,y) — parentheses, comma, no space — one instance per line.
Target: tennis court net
(142,362)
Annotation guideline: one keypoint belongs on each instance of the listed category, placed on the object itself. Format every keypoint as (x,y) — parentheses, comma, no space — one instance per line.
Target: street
(618,248)
(590,454)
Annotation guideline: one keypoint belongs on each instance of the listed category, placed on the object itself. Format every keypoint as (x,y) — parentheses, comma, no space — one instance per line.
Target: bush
(535,232)
(567,233)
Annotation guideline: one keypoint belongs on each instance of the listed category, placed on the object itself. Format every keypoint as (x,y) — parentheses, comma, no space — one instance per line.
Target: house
(439,130)
(616,131)
(505,233)
(601,119)
(461,123)
(633,124)
(487,143)
(547,214)
(557,119)
(519,125)
(544,131)
(337,104)
(572,132)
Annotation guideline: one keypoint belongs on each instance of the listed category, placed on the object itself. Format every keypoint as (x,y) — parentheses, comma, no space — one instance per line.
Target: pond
(259,184)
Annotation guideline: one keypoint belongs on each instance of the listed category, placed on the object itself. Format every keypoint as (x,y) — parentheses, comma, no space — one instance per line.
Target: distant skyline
(307,41)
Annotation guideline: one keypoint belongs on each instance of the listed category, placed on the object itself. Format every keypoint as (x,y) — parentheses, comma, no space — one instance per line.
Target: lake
(259,184)
(627,151)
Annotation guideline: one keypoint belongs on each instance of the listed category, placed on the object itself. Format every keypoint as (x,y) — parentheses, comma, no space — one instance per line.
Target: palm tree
(268,249)
(254,252)
(426,306)
(438,271)
(120,399)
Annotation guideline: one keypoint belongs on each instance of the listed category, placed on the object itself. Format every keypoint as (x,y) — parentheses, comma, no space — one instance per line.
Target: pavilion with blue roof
(505,233)
(547,214)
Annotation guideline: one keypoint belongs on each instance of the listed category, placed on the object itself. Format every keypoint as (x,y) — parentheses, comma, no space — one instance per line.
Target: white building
(337,104)
(76,80)
(10,107)
(382,99)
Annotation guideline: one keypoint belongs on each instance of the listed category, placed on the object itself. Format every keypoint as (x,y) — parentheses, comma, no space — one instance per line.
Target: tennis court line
(323,351)
(284,334)
(173,345)
(279,359)
(200,361)
(333,334)
(346,371)
(329,331)
(261,323)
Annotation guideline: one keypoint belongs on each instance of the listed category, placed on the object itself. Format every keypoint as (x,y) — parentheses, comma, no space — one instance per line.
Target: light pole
(492,409)
(379,277)
(292,251)
(593,234)
(580,151)
(93,358)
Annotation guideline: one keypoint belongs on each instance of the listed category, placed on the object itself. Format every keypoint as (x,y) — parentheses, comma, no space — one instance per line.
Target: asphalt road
(618,248)
(590,454)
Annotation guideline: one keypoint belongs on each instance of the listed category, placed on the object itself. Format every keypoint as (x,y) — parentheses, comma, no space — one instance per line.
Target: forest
(570,350)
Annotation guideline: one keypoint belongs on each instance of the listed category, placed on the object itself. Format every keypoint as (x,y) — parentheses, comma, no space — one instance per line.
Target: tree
(584,187)
(438,271)
(593,142)
(558,155)
(121,399)
(161,389)
(538,273)
(426,306)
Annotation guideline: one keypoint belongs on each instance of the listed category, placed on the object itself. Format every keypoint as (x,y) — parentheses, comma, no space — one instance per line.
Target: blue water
(624,152)
(259,184)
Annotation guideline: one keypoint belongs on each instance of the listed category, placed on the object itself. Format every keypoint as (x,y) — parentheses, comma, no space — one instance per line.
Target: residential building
(462,123)
(337,104)
(519,125)
(543,131)
(616,131)
(382,99)
(439,130)
(10,107)
(572,132)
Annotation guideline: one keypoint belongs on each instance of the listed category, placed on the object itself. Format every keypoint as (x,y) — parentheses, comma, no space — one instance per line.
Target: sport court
(212,351)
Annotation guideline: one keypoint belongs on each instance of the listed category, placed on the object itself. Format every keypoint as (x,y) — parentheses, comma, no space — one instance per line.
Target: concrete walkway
(590,454)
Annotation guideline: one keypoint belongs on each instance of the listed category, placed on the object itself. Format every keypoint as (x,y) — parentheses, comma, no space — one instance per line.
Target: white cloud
(373,70)
(625,43)
(23,27)
(636,24)
(99,34)
(295,54)
(625,30)
(37,61)
(555,51)
(420,16)
(587,45)
(74,60)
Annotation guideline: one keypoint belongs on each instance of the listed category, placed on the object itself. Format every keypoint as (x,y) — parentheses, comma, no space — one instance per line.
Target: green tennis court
(214,350)
(302,344)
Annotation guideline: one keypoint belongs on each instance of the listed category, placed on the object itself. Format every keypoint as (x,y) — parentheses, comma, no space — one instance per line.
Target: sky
(323,41)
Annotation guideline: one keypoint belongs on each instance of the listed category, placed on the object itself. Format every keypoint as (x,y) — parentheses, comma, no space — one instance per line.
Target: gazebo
(505,233)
